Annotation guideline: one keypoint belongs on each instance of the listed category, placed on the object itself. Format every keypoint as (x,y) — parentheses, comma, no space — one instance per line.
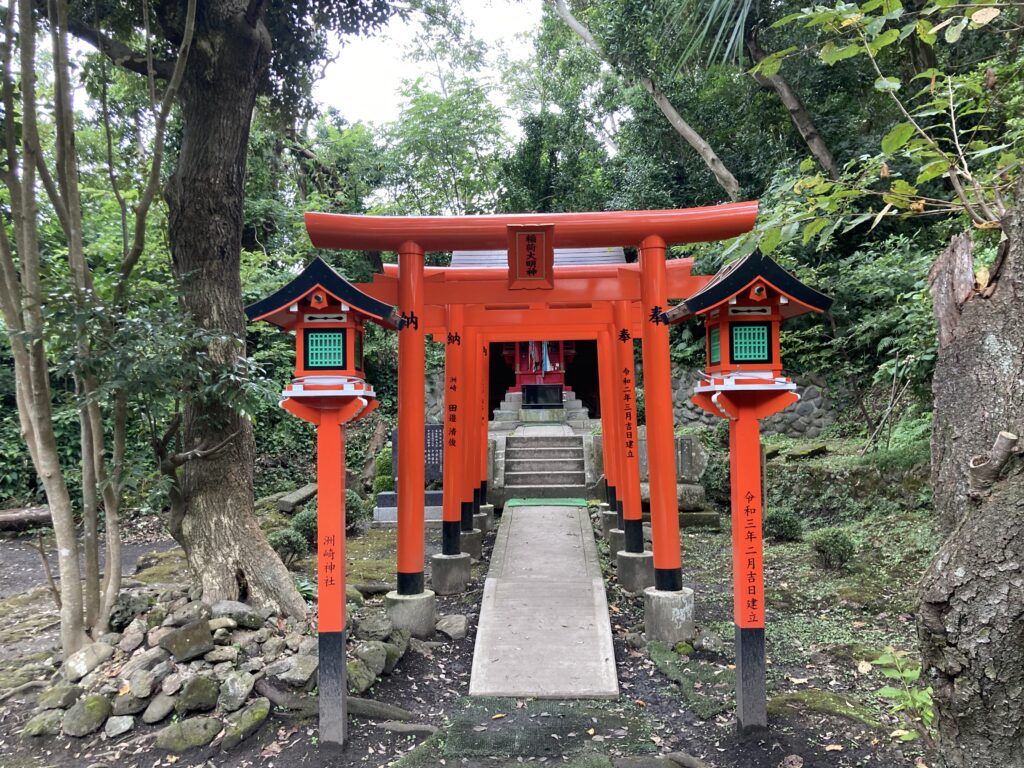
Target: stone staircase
(545,466)
(511,412)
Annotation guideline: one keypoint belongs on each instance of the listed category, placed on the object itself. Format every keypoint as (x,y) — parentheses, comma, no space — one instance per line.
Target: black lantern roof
(734,278)
(276,307)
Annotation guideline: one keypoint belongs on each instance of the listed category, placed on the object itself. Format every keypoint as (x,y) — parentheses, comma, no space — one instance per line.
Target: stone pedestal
(480,522)
(609,520)
(414,613)
(449,574)
(488,510)
(636,570)
(616,541)
(472,543)
(668,616)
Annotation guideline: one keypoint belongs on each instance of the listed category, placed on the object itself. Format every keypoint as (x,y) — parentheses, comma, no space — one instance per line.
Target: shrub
(289,544)
(305,523)
(357,510)
(833,546)
(382,480)
(783,525)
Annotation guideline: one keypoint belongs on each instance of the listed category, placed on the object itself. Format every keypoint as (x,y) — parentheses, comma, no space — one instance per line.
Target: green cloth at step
(545,503)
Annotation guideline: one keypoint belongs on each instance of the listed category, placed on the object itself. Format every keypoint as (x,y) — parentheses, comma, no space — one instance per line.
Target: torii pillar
(668,607)
(635,566)
(611,443)
(411,606)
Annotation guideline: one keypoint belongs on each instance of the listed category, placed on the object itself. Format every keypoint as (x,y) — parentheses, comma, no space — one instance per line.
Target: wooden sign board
(531,256)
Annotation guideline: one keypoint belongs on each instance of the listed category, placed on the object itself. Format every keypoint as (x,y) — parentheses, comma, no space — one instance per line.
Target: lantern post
(743,307)
(329,389)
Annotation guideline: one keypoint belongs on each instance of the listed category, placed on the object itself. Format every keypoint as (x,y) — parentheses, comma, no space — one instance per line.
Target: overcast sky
(363,82)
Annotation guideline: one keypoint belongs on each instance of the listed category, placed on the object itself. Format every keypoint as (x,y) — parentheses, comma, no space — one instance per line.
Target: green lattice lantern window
(325,349)
(714,345)
(750,342)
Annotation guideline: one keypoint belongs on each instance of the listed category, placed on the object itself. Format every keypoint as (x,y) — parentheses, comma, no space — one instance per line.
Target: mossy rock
(163,567)
(46,723)
(86,716)
(246,723)
(358,676)
(188,734)
(823,702)
(60,696)
(707,688)
(354,596)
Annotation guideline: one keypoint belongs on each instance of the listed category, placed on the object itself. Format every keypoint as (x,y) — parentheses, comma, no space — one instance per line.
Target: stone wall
(433,397)
(807,418)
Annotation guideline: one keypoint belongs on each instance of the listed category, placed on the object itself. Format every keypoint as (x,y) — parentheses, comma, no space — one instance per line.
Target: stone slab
(544,630)
(295,499)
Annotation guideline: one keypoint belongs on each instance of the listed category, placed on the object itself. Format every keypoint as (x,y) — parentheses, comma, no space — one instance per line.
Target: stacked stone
(204,663)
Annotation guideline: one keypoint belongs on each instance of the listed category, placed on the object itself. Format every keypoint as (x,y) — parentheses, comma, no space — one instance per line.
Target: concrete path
(544,628)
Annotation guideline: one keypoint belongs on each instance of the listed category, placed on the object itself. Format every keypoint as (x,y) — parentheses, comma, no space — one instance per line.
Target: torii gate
(468,308)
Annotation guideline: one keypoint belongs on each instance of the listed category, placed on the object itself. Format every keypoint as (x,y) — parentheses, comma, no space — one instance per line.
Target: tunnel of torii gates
(611,304)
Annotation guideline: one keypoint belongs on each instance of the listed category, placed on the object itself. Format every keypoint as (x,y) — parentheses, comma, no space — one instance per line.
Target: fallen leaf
(899,733)
(590,731)
(172,759)
(834,748)
(792,761)
(864,667)
(797,680)
(498,716)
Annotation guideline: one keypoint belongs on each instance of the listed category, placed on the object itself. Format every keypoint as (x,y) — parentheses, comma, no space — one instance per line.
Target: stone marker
(668,615)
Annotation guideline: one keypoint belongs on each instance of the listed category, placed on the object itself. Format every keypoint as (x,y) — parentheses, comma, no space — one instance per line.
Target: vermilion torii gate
(469,308)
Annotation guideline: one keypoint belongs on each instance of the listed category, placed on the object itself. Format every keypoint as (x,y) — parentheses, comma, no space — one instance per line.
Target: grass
(796,703)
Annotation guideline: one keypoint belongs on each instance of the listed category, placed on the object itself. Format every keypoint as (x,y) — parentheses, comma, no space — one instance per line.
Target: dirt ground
(824,627)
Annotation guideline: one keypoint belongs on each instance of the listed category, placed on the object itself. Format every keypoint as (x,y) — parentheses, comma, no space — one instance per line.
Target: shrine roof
(734,277)
(564,257)
(275,308)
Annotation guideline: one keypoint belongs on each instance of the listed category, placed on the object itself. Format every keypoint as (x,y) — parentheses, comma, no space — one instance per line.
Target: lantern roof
(736,277)
(278,307)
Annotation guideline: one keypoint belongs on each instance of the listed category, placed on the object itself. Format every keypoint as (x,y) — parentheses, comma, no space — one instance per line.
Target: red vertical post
(607,365)
(485,379)
(455,386)
(410,420)
(661,454)
(629,486)
(469,492)
(748,567)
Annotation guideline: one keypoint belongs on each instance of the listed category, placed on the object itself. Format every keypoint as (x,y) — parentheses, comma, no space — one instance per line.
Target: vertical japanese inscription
(628,435)
(749,597)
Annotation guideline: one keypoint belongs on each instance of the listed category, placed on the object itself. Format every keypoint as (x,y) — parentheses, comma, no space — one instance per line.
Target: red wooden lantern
(328,316)
(743,307)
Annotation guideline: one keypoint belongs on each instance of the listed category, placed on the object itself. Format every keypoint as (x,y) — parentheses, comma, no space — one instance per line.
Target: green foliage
(783,525)
(357,511)
(383,480)
(307,587)
(833,547)
(908,700)
(304,522)
(289,544)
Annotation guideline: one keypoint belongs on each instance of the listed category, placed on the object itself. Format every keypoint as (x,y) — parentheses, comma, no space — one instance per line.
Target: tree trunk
(225,547)
(797,112)
(971,617)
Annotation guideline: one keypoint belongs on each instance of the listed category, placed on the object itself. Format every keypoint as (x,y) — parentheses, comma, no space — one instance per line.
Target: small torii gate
(468,308)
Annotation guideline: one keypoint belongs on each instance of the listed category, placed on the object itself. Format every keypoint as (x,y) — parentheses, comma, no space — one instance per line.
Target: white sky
(363,82)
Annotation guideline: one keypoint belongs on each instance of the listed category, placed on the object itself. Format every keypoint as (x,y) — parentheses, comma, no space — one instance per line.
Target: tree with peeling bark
(22,297)
(240,49)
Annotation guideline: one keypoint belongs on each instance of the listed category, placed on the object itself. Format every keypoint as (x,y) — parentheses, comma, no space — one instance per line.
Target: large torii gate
(468,308)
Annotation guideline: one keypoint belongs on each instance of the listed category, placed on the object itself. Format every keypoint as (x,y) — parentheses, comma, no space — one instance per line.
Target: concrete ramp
(544,630)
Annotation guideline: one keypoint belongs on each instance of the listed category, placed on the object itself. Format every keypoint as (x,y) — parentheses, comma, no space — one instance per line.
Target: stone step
(545,441)
(550,492)
(501,415)
(543,465)
(540,452)
(544,478)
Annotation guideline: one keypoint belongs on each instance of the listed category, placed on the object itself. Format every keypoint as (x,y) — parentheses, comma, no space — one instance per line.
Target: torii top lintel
(571,230)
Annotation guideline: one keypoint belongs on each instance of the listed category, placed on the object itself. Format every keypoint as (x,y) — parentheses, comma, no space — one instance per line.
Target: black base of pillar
(634,530)
(467,515)
(668,579)
(483,492)
(410,583)
(610,495)
(450,530)
(620,511)
(751,692)
(476,501)
(333,709)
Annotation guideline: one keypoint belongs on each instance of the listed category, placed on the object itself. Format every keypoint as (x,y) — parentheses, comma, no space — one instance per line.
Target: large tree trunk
(225,547)
(971,619)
